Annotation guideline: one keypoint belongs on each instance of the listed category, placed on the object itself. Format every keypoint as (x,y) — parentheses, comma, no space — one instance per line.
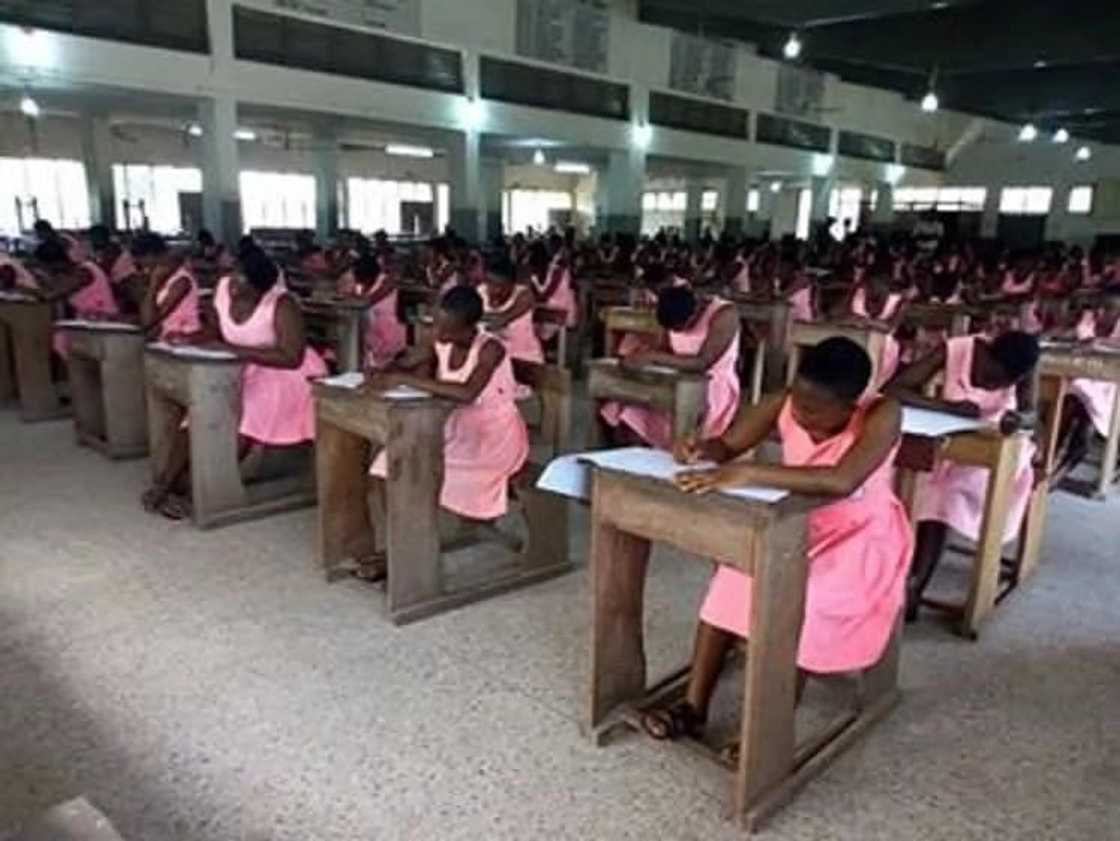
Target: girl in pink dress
(15,275)
(990,380)
(875,303)
(508,308)
(84,287)
(260,323)
(170,308)
(486,441)
(385,335)
(703,338)
(551,282)
(833,445)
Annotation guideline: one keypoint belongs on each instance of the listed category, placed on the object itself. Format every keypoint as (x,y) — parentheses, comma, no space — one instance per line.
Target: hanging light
(776,187)
(1028,133)
(1061,136)
(29,107)
(1084,153)
(538,157)
(194,129)
(930,102)
(792,49)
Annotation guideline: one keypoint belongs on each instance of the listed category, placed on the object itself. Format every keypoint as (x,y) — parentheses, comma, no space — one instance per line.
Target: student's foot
(671,723)
(372,568)
(175,507)
(152,498)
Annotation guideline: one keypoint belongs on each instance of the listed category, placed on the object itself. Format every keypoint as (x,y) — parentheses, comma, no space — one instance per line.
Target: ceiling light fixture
(792,49)
(572,168)
(643,135)
(930,102)
(538,158)
(29,107)
(776,187)
(1084,153)
(403,150)
(246,134)
(895,173)
(1061,136)
(1028,133)
(194,129)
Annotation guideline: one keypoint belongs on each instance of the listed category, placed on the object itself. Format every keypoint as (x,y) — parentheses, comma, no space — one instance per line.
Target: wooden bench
(209,391)
(683,396)
(764,540)
(26,331)
(106,372)
(806,334)
(338,323)
(352,424)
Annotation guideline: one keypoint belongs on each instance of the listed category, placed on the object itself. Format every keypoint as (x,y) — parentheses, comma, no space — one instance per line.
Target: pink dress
(24,278)
(1098,396)
(722,398)
(562,298)
(124,267)
(385,335)
(75,249)
(954,494)
(519,336)
(888,362)
(859,553)
(484,443)
(276,403)
(1011,286)
(184,319)
(741,282)
(802,304)
(93,301)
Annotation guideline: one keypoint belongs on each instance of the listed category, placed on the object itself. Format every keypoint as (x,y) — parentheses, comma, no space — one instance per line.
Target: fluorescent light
(643,135)
(406,151)
(776,187)
(1038,65)
(1028,133)
(930,102)
(572,167)
(1084,153)
(194,129)
(538,158)
(29,106)
(246,134)
(1061,136)
(822,164)
(895,173)
(472,113)
(792,49)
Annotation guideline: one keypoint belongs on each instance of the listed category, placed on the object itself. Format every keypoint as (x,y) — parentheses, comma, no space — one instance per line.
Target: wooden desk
(683,396)
(340,323)
(954,320)
(106,369)
(617,321)
(559,318)
(765,540)
(26,331)
(775,321)
(210,392)
(809,333)
(1000,454)
(354,423)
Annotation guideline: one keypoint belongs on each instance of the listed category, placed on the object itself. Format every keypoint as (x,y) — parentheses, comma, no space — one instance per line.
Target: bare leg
(928,548)
(373,567)
(174,467)
(1073,439)
(708,655)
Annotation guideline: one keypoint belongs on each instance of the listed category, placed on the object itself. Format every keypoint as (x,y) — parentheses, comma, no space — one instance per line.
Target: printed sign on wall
(800,91)
(571,32)
(702,66)
(393,15)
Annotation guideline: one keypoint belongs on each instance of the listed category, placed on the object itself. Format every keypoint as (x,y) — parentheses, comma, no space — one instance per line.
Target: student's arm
(750,428)
(387,288)
(881,430)
(552,283)
(523,303)
(65,285)
(1025,416)
(721,333)
(290,340)
(414,360)
(153,313)
(490,355)
(908,386)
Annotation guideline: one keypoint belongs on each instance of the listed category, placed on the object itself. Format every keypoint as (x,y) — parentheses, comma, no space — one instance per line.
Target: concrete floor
(211,687)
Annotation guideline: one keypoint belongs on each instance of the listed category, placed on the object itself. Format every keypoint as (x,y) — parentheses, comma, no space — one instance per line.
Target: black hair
(839,366)
(98,236)
(499,265)
(51,252)
(675,306)
(43,228)
(464,304)
(245,245)
(148,245)
(654,275)
(259,270)
(1016,352)
(368,267)
(205,238)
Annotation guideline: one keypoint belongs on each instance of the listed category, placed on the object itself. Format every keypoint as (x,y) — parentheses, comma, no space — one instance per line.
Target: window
(41,188)
(277,200)
(843,206)
(709,201)
(1080,200)
(804,213)
(374,204)
(152,193)
(522,209)
(443,206)
(1025,200)
(664,209)
(754,200)
(946,199)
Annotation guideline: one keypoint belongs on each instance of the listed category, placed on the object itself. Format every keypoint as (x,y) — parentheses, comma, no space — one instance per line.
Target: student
(702,336)
(311,258)
(486,441)
(874,304)
(170,307)
(986,379)
(214,254)
(833,446)
(75,250)
(262,325)
(83,286)
(14,275)
(385,335)
(551,282)
(509,310)
(114,260)
(443,271)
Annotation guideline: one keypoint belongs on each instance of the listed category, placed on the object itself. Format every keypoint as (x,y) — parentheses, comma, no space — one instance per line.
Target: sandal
(372,568)
(175,507)
(152,498)
(671,723)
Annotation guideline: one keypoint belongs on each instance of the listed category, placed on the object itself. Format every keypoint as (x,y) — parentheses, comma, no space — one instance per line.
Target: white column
(326,185)
(822,195)
(491,181)
(989,222)
(221,190)
(97,155)
(625,178)
(466,196)
(693,210)
(883,215)
(735,201)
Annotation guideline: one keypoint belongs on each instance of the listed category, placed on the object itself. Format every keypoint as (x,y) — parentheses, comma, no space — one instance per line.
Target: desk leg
(768,743)
(349,345)
(414,479)
(89,407)
(758,371)
(1030,542)
(618,659)
(7,373)
(32,341)
(1111,449)
(344,531)
(984,586)
(777,345)
(215,408)
(126,416)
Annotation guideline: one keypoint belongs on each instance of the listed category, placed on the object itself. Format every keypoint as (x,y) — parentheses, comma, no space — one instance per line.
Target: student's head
(259,271)
(148,249)
(499,271)
(367,269)
(1015,355)
(245,245)
(51,253)
(205,239)
(460,310)
(99,237)
(676,307)
(654,275)
(831,377)
(43,229)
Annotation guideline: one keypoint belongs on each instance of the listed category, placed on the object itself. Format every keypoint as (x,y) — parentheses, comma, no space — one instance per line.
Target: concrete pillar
(97,155)
(989,222)
(735,201)
(625,179)
(326,186)
(466,196)
(221,189)
(693,211)
(822,195)
(883,214)
(491,181)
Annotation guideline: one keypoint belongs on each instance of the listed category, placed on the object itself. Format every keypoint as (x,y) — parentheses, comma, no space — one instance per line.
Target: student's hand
(1012,422)
(688,449)
(634,361)
(705,481)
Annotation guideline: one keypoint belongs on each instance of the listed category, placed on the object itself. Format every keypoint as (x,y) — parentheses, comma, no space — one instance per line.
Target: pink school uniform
(888,362)
(93,301)
(801,302)
(519,336)
(276,403)
(859,553)
(1097,396)
(722,398)
(24,278)
(1013,286)
(954,494)
(123,268)
(562,298)
(484,443)
(385,335)
(184,319)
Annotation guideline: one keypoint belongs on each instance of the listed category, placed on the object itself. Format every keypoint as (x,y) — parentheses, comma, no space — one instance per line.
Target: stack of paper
(930,424)
(191,352)
(405,392)
(351,380)
(97,325)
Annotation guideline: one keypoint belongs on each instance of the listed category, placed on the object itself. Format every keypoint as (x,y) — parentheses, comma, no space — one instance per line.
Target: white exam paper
(97,325)
(351,380)
(190,352)
(930,424)
(405,392)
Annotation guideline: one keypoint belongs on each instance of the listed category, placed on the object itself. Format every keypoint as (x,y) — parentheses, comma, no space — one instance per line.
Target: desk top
(335,304)
(1075,359)
(82,325)
(652,374)
(189,353)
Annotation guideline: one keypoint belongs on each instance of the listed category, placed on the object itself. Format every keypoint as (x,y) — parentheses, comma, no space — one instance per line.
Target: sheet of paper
(570,475)
(931,424)
(405,392)
(653,369)
(190,352)
(15,297)
(351,380)
(97,325)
